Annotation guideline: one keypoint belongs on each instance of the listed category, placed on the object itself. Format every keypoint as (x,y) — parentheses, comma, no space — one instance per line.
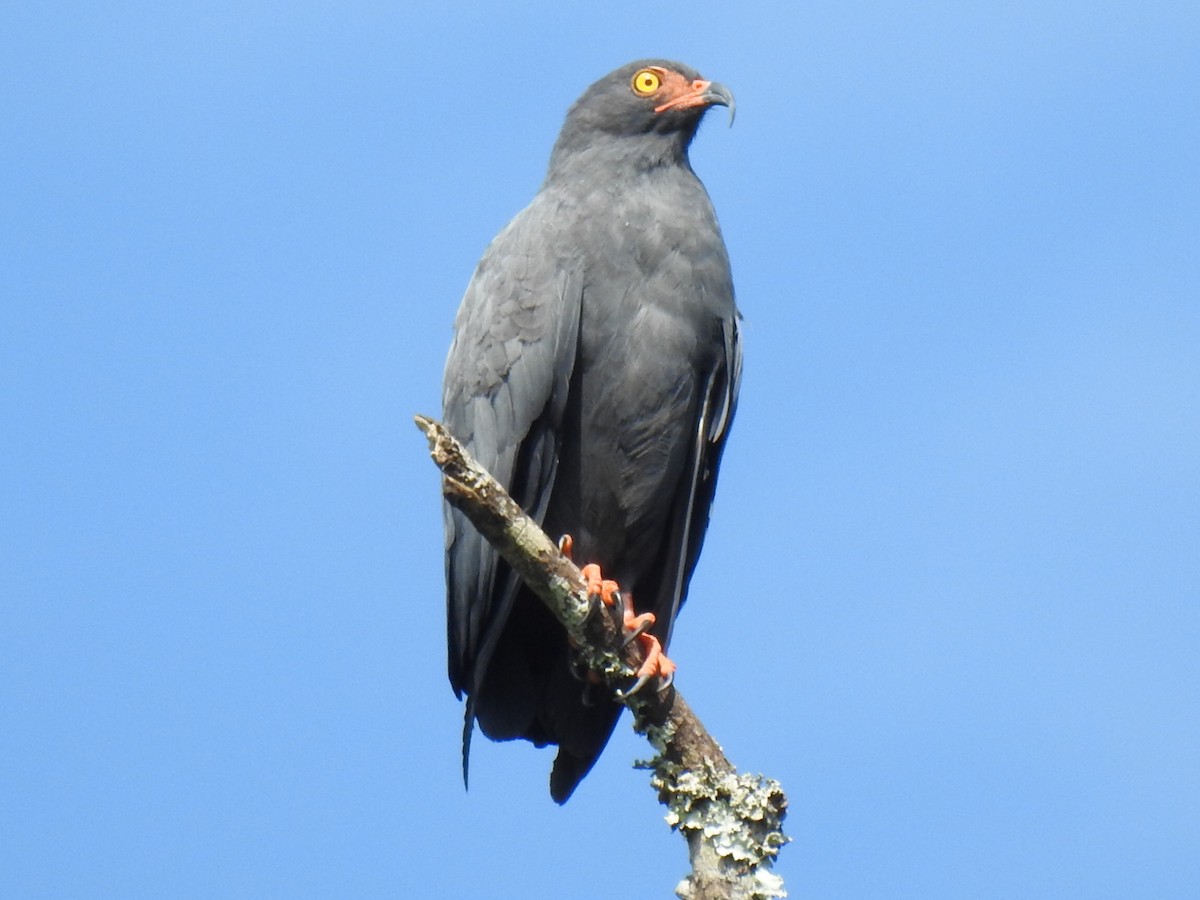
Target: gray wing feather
(718,404)
(505,388)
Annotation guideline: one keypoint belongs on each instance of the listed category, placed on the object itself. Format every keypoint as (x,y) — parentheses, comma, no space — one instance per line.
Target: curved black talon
(667,681)
(637,686)
(595,607)
(618,606)
(634,633)
(578,671)
(588,695)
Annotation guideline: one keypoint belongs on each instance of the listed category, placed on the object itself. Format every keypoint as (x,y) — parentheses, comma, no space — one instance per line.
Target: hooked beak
(718,95)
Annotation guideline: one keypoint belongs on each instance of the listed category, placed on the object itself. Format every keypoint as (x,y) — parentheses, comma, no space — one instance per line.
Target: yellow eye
(646,82)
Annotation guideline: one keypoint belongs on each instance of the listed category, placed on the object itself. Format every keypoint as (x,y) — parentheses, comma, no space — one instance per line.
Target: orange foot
(655,663)
(608,592)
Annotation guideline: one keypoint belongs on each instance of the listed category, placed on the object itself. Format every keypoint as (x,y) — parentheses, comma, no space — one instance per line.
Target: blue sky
(951,592)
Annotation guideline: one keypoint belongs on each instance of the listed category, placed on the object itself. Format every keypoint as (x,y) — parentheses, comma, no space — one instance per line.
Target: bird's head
(657,102)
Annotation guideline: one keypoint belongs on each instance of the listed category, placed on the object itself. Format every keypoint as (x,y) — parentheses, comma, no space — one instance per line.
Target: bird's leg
(655,663)
(600,588)
(566,546)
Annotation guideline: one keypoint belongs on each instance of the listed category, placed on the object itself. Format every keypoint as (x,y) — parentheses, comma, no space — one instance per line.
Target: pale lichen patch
(736,817)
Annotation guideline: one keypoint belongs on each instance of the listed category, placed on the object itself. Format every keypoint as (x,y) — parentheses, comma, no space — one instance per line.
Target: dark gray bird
(594,371)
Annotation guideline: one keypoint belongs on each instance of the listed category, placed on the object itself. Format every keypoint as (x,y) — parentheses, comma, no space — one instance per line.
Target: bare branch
(732,821)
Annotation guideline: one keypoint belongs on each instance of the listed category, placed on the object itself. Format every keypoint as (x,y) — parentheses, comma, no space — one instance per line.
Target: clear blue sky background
(951,593)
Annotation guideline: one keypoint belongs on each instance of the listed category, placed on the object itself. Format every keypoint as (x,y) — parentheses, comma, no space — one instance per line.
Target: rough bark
(732,821)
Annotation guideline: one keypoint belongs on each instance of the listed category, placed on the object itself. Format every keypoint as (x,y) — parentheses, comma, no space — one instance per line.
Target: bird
(594,371)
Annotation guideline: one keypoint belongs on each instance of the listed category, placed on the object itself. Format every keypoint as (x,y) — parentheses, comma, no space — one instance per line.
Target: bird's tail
(468,730)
